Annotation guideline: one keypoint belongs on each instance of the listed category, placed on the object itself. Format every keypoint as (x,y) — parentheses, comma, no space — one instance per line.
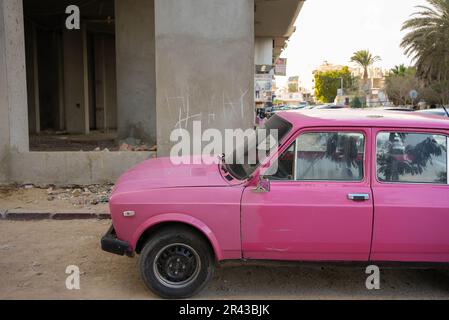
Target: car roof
(364,118)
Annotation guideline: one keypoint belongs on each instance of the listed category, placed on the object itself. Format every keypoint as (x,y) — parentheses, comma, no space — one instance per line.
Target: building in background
(374,91)
(135,71)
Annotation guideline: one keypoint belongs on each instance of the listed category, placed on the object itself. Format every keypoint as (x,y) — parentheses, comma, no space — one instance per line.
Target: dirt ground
(34,257)
(55,200)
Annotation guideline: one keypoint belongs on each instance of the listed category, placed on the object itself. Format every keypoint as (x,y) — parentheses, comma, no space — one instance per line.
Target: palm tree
(364,59)
(400,70)
(427,40)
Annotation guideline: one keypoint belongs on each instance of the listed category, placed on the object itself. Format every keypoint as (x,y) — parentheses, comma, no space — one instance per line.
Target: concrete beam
(276,18)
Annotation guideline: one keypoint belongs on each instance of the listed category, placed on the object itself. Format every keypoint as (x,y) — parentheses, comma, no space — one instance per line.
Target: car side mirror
(263,185)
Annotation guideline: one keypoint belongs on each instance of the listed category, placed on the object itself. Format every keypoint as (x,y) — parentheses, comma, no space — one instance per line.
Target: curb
(36,215)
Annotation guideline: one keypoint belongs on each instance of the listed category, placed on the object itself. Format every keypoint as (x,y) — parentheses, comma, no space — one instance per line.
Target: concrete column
(29,47)
(111,82)
(13,91)
(86,88)
(136,100)
(60,48)
(100,86)
(263,51)
(205,65)
(36,97)
(76,87)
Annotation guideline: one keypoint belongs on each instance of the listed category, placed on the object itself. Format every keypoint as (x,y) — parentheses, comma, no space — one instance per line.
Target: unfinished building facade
(133,71)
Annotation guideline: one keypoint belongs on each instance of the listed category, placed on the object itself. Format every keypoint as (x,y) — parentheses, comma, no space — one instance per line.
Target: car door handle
(358,196)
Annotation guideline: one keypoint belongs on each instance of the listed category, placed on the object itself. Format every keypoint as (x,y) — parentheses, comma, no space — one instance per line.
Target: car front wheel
(176,263)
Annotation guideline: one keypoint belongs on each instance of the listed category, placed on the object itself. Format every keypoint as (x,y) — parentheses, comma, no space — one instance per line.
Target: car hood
(162,173)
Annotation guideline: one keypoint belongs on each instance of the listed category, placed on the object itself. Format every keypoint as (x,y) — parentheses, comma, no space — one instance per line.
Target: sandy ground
(34,257)
(55,200)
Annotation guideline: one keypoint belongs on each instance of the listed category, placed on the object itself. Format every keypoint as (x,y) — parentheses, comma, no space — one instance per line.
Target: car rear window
(412,158)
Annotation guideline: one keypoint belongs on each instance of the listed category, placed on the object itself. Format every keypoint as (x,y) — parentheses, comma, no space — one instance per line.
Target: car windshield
(246,157)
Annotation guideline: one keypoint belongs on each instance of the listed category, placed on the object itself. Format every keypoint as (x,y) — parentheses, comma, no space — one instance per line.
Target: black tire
(169,246)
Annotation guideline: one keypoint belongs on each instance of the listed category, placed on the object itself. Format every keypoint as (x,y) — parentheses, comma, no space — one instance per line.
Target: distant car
(297,106)
(343,186)
(436,112)
(399,109)
(329,106)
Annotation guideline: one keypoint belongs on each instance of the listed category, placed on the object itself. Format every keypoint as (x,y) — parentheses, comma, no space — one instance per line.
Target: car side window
(322,156)
(412,158)
(330,156)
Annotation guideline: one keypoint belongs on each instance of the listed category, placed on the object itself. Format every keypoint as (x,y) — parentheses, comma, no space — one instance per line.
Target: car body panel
(309,220)
(215,211)
(411,220)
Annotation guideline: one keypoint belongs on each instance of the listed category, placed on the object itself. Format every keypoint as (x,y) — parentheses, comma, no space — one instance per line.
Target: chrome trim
(358,196)
(295,160)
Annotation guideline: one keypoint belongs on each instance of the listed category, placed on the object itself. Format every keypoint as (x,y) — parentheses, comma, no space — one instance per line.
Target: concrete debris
(88,197)
(124,147)
(76,192)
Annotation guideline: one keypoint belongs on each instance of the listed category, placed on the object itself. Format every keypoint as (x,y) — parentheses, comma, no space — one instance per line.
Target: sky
(332,30)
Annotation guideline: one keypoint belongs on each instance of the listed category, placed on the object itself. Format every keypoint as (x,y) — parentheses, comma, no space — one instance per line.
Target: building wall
(17,164)
(205,65)
(205,68)
(136,83)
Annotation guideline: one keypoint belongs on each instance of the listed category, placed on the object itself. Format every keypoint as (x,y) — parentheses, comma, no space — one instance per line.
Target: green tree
(356,103)
(427,40)
(402,70)
(327,84)
(364,59)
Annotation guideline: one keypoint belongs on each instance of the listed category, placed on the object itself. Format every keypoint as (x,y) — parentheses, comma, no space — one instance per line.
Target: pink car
(358,186)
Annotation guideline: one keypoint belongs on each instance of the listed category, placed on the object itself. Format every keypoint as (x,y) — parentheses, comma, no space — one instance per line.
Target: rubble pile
(81,196)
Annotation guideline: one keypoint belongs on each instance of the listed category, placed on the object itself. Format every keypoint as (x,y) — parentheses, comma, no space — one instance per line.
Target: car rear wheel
(176,263)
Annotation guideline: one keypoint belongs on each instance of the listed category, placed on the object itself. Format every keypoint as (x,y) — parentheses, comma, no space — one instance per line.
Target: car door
(411,194)
(319,207)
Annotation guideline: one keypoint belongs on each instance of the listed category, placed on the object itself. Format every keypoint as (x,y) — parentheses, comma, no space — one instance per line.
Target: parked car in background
(329,106)
(402,109)
(436,112)
(312,199)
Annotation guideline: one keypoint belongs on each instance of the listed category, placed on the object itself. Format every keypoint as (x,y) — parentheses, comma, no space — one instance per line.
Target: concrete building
(136,69)
(376,83)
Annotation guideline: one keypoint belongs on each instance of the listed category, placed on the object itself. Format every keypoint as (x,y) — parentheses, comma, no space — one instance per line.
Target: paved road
(34,257)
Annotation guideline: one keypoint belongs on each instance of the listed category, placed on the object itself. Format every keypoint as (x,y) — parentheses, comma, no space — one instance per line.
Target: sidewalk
(34,203)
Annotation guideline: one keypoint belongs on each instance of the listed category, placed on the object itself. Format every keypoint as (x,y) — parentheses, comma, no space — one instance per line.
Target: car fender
(179,218)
